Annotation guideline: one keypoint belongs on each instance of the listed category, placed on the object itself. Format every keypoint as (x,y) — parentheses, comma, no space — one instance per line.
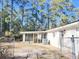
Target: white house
(59,37)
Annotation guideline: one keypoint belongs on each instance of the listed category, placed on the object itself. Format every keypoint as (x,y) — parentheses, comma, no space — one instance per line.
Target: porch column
(23,37)
(38,37)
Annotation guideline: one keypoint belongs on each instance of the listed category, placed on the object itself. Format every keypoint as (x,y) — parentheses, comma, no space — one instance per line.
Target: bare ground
(20,50)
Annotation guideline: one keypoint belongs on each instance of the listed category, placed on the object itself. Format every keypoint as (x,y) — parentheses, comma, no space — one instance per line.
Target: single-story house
(60,37)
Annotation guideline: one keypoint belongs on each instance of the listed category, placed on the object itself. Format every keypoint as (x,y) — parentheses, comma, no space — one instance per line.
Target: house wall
(55,37)
(69,33)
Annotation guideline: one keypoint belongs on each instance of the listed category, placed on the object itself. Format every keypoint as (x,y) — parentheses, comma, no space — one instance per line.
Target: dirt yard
(20,50)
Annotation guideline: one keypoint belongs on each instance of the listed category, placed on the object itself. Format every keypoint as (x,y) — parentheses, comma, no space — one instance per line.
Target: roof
(66,27)
(32,32)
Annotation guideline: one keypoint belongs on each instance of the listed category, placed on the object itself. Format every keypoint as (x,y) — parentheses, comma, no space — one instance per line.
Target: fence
(69,45)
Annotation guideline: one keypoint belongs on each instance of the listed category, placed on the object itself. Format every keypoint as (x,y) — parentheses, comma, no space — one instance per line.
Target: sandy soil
(34,51)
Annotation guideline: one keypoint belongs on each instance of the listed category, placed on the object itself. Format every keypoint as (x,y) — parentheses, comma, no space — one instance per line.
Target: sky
(75,3)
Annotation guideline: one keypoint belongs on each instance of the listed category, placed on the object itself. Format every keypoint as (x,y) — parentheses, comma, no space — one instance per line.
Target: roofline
(32,32)
(66,27)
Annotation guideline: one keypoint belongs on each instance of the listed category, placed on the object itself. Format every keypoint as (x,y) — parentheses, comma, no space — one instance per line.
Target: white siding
(54,39)
(69,33)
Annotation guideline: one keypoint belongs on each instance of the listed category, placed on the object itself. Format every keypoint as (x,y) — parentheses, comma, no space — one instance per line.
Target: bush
(8,33)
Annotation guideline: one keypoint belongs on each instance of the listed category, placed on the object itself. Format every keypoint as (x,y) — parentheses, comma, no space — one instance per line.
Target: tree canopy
(34,15)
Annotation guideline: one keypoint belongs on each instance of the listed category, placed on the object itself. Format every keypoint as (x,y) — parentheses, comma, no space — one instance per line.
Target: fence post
(61,41)
(73,47)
